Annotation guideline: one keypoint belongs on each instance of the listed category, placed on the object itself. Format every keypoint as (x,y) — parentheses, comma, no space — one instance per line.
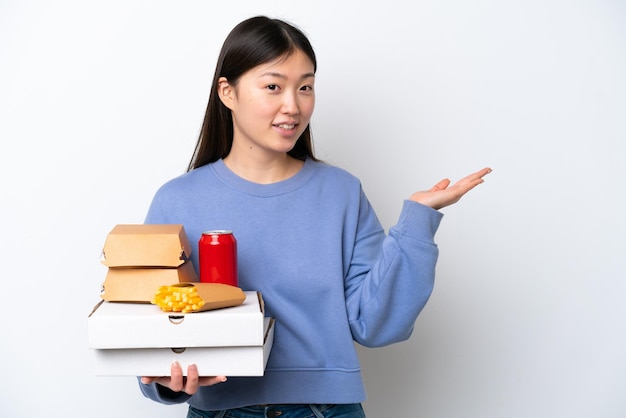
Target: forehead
(296,64)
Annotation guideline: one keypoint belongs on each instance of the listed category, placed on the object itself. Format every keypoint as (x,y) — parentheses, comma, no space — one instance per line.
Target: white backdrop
(101,102)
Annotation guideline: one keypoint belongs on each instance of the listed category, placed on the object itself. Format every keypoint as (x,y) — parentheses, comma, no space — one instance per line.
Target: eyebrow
(279,75)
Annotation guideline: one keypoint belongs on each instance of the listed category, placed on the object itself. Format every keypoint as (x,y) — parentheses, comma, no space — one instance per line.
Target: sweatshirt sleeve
(389,283)
(162,394)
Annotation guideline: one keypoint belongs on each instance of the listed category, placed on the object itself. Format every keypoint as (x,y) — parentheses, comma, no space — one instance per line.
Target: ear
(226,92)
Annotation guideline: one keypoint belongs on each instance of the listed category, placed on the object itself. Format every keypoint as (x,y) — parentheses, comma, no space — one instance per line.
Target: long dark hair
(253,42)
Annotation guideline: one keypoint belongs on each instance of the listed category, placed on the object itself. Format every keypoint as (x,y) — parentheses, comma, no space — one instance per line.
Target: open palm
(442,194)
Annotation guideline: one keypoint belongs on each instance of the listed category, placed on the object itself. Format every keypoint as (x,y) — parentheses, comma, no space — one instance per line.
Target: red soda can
(217,253)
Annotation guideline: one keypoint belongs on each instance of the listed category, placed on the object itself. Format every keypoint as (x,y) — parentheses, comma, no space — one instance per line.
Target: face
(271,104)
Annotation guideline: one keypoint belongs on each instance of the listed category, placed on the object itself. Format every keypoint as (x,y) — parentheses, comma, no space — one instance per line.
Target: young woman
(307,237)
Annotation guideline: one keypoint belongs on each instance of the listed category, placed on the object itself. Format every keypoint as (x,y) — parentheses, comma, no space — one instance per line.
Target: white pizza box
(116,325)
(211,361)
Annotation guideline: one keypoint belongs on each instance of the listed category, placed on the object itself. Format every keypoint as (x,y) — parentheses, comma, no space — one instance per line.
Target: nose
(290,104)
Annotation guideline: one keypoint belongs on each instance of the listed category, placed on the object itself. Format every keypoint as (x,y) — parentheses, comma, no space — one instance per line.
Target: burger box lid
(114,325)
(142,245)
(211,361)
(139,284)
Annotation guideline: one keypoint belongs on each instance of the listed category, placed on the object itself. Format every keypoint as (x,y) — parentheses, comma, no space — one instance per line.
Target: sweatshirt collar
(264,190)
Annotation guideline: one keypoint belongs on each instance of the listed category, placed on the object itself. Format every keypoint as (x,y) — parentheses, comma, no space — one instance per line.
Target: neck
(265,170)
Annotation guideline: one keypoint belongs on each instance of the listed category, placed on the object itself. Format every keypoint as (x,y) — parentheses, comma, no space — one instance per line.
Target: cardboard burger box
(131,339)
(142,257)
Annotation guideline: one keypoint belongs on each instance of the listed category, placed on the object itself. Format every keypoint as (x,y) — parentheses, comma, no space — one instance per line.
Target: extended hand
(178,383)
(440,195)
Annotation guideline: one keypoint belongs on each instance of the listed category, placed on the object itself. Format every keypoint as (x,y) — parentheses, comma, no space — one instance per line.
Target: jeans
(284,411)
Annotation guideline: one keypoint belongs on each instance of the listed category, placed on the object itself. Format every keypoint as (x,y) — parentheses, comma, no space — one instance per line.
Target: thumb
(442,185)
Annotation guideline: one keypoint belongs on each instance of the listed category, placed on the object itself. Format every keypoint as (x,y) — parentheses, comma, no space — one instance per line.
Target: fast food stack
(153,311)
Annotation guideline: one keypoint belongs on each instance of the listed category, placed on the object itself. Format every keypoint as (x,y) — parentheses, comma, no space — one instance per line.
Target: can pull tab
(177,319)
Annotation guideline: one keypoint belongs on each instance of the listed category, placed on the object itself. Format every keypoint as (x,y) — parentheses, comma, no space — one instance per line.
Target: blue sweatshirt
(329,275)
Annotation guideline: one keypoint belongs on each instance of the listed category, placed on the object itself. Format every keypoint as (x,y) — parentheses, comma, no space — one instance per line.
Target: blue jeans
(284,411)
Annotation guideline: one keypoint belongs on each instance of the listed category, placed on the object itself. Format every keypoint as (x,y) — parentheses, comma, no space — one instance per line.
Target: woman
(307,237)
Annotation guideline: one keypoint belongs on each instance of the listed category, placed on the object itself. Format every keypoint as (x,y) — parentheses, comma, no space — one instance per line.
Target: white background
(101,102)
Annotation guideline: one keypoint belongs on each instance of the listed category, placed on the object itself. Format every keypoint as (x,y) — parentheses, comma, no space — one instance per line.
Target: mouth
(286,125)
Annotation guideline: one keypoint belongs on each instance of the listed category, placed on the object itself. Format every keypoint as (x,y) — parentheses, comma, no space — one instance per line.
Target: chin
(286,147)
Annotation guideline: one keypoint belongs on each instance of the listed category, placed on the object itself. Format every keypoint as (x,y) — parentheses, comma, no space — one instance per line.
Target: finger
(442,185)
(194,381)
(191,386)
(146,380)
(479,174)
(469,182)
(176,381)
(211,380)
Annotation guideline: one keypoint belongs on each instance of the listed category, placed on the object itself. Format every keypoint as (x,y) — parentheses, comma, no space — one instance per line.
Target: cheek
(307,108)
(258,110)
(262,106)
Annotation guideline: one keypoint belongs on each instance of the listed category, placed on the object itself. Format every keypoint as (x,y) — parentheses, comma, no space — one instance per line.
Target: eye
(272,87)
(307,89)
